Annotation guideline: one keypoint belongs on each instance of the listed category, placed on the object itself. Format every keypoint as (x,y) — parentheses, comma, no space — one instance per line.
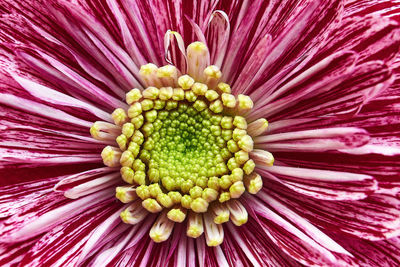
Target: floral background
(66,64)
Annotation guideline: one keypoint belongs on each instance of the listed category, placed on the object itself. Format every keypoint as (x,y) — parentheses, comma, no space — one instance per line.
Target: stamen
(119,116)
(245,103)
(177,214)
(237,189)
(162,228)
(111,156)
(151,205)
(148,73)
(168,75)
(134,214)
(133,96)
(257,127)
(238,213)
(220,213)
(185,82)
(212,75)
(262,157)
(253,183)
(127,174)
(125,194)
(195,225)
(214,232)
(104,131)
(197,57)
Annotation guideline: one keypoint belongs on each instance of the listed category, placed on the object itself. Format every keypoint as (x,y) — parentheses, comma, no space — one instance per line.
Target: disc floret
(184,151)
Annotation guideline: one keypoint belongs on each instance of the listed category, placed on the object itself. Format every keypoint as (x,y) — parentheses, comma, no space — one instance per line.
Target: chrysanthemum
(205,133)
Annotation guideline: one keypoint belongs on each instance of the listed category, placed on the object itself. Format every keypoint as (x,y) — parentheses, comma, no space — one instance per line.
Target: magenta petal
(318,140)
(255,247)
(63,244)
(377,253)
(322,184)
(373,218)
(39,219)
(376,38)
(314,81)
(217,33)
(14,198)
(346,99)
(289,238)
(175,51)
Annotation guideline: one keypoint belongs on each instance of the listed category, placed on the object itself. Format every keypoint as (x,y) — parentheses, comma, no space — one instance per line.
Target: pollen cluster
(183,150)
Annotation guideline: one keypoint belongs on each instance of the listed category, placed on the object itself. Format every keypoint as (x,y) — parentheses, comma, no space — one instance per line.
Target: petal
(175,52)
(217,33)
(318,140)
(378,253)
(305,25)
(347,98)
(14,198)
(256,247)
(62,245)
(313,82)
(39,219)
(373,37)
(287,237)
(374,218)
(322,184)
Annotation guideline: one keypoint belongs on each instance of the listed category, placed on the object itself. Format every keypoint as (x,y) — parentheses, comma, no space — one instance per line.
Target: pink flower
(319,186)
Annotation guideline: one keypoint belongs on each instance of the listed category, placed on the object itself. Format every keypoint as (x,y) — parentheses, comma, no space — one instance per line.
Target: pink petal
(39,219)
(175,51)
(255,247)
(289,238)
(322,184)
(372,36)
(217,33)
(314,140)
(40,109)
(49,95)
(373,218)
(62,245)
(313,82)
(14,198)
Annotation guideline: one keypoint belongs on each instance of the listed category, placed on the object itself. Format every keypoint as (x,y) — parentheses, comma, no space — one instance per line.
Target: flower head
(227,133)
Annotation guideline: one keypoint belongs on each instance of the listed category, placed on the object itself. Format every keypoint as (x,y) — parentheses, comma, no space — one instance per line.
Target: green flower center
(184,150)
(181,148)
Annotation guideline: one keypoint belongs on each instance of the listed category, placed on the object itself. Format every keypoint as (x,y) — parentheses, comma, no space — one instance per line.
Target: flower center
(183,148)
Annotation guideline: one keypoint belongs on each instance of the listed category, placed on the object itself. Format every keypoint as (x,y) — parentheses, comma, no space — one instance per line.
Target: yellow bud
(246,143)
(199,88)
(151,92)
(257,127)
(119,116)
(133,96)
(135,110)
(224,87)
(111,156)
(185,82)
(194,225)
(125,194)
(199,205)
(151,205)
(237,189)
(245,102)
(166,93)
(162,228)
(253,183)
(228,100)
(127,174)
(177,215)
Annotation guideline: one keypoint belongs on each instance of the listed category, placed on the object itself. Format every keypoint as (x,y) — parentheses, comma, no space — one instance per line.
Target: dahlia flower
(205,133)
